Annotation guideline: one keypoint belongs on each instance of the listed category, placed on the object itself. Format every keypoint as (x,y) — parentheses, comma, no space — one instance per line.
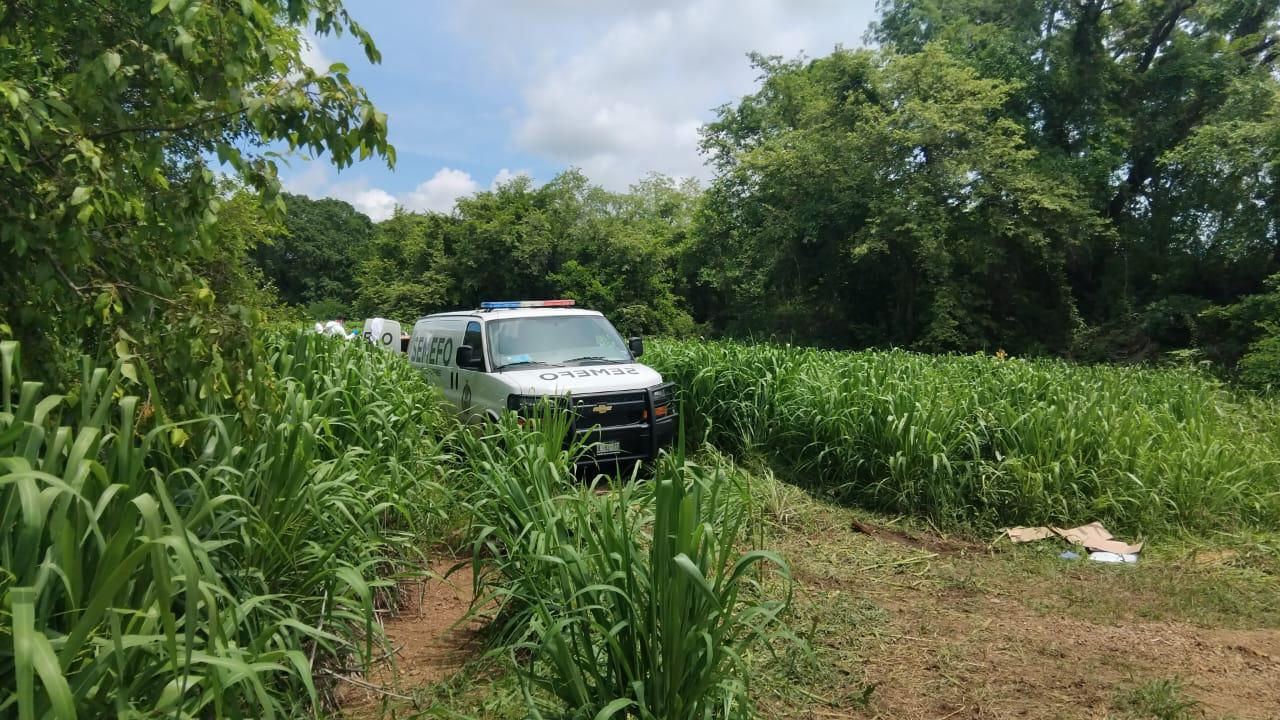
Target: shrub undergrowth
(981,441)
(204,566)
(634,603)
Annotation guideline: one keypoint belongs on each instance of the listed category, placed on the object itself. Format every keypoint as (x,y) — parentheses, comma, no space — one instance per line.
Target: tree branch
(1163,30)
(1262,45)
(167,128)
(57,266)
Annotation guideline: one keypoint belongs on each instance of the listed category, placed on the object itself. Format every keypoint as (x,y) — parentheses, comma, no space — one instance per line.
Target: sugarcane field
(694,360)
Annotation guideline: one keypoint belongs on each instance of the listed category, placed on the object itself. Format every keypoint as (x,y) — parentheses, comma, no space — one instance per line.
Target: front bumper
(622,427)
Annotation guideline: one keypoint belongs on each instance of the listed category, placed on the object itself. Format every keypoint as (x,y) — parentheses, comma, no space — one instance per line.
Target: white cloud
(312,56)
(622,89)
(506,175)
(316,180)
(440,192)
(436,194)
(377,203)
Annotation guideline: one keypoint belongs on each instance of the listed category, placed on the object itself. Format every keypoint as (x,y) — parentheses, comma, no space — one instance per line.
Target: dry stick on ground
(384,658)
(368,686)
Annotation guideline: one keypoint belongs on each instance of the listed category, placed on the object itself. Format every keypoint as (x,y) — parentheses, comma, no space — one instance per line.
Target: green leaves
(113,114)
(632,603)
(1149,113)
(311,257)
(111,61)
(872,198)
(201,565)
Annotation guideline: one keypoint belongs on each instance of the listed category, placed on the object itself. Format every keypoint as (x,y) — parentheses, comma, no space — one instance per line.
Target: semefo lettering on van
(585,373)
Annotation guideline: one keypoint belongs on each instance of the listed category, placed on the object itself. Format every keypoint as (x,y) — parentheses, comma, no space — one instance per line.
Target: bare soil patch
(984,656)
(429,639)
(904,625)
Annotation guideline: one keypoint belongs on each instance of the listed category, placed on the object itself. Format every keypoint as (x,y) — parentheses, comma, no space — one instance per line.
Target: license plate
(610,447)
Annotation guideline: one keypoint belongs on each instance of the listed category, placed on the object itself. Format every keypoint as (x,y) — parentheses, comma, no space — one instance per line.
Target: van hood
(581,380)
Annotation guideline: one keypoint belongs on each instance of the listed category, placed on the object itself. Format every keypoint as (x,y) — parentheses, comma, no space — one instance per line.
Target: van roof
(513,313)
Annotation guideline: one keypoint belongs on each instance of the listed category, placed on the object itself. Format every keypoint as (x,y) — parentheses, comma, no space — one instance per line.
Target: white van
(509,355)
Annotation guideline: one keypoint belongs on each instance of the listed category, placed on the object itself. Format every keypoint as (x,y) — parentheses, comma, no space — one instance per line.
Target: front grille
(610,410)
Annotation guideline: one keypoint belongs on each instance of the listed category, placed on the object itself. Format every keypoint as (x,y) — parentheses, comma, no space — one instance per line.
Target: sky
(479,91)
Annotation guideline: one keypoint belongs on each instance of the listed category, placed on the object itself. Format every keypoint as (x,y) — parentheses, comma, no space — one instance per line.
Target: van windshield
(555,340)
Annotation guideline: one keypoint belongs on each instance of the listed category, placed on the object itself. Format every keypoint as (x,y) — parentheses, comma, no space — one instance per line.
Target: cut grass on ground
(904,622)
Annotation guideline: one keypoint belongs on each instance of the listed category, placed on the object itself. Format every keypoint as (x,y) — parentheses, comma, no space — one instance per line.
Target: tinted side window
(475,339)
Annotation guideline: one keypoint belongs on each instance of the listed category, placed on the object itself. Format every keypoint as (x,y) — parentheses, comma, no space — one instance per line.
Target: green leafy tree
(244,225)
(109,115)
(405,274)
(866,199)
(1245,336)
(314,260)
(510,239)
(614,252)
(1151,109)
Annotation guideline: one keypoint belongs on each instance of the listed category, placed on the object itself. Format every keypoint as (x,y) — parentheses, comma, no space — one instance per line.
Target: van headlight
(662,394)
(662,398)
(525,404)
(521,403)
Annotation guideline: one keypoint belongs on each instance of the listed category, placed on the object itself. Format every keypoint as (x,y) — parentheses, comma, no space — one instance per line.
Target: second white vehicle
(509,355)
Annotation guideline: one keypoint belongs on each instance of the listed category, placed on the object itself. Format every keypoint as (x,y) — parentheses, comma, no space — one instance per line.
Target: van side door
(472,381)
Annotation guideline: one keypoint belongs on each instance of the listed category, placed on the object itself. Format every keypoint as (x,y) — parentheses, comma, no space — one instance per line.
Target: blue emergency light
(508,304)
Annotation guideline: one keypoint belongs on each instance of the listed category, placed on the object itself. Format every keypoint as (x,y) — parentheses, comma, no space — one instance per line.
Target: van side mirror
(464,358)
(636,346)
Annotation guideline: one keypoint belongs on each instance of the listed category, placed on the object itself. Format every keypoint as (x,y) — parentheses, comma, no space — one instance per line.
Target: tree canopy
(1084,178)
(1162,114)
(865,199)
(615,252)
(312,260)
(113,116)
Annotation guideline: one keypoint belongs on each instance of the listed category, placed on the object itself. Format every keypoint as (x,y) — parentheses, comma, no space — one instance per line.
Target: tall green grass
(205,568)
(980,441)
(636,603)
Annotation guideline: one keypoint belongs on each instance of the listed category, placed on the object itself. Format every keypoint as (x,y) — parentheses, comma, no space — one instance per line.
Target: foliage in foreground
(110,114)
(635,603)
(203,568)
(982,441)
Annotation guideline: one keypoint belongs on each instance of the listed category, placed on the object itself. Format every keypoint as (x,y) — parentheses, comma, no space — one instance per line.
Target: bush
(635,603)
(206,566)
(1229,332)
(985,442)
(1260,366)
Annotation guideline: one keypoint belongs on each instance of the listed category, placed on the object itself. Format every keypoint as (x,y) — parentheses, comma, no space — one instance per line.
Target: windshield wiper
(596,358)
(525,362)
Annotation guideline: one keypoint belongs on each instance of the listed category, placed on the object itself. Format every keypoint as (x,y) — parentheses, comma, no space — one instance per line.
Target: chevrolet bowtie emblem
(601,409)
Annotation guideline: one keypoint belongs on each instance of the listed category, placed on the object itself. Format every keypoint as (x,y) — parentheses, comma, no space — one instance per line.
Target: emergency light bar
(507,304)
